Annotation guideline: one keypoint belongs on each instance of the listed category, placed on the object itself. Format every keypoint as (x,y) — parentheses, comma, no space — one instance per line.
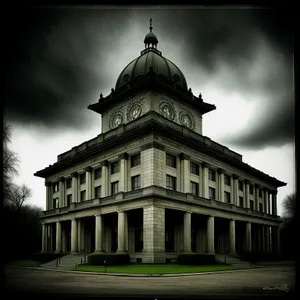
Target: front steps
(65,262)
(232,260)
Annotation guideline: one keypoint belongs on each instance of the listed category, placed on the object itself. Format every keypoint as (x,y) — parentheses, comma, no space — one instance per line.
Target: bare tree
(289,206)
(10,162)
(18,195)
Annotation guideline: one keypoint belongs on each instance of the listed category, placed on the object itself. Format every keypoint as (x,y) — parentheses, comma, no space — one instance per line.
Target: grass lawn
(277,263)
(24,263)
(153,269)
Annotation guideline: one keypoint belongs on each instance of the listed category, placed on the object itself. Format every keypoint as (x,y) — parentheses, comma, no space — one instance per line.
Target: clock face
(117,120)
(167,111)
(135,112)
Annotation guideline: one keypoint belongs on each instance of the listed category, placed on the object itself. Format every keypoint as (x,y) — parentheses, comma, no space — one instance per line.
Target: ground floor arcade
(155,234)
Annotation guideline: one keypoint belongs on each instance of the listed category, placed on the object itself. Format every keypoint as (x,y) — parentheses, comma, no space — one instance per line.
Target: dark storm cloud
(58,61)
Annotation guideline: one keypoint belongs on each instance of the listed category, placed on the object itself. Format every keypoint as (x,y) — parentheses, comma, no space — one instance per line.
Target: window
(251,189)
(69,183)
(82,178)
(241,188)
(171,160)
(55,187)
(252,204)
(212,193)
(69,199)
(227,197)
(212,175)
(135,182)
(115,167)
(114,187)
(195,188)
(98,173)
(135,160)
(55,203)
(98,191)
(171,182)
(241,202)
(227,180)
(260,193)
(82,195)
(260,207)
(194,168)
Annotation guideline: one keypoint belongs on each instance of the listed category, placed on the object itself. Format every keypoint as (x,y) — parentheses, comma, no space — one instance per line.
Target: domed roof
(152,62)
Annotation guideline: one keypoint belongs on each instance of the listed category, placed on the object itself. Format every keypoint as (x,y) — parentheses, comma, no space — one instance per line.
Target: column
(105,186)
(232,236)
(58,237)
(256,197)
(221,185)
(88,182)
(267,204)
(185,173)
(259,238)
(126,232)
(205,180)
(74,187)
(61,192)
(274,203)
(211,234)
(278,242)
(235,189)
(121,231)
(79,222)
(246,194)
(267,236)
(263,238)
(187,232)
(74,243)
(44,237)
(99,233)
(123,184)
(93,184)
(48,190)
(248,236)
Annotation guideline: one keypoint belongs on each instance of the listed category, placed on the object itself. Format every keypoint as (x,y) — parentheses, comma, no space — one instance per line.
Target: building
(151,183)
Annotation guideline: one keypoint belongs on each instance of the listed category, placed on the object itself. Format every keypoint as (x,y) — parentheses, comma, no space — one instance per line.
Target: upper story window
(82,195)
(194,168)
(55,203)
(195,188)
(69,199)
(227,197)
(135,182)
(260,193)
(69,183)
(114,187)
(98,173)
(212,193)
(241,202)
(212,175)
(115,167)
(55,187)
(171,182)
(170,160)
(227,180)
(135,160)
(260,207)
(241,187)
(252,204)
(251,189)
(98,191)
(82,178)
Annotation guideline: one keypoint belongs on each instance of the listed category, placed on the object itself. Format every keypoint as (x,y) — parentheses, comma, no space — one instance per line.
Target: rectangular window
(55,187)
(171,183)
(212,175)
(135,182)
(260,193)
(114,187)
(227,180)
(69,199)
(241,202)
(115,167)
(251,189)
(260,207)
(252,204)
(194,168)
(98,191)
(170,160)
(135,160)
(241,188)
(55,203)
(82,196)
(98,173)
(227,197)
(195,188)
(69,183)
(212,193)
(82,178)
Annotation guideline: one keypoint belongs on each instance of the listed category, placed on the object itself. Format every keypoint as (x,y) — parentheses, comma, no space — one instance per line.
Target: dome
(152,62)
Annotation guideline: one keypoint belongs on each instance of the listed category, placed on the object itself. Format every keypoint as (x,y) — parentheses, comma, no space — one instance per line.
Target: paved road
(244,282)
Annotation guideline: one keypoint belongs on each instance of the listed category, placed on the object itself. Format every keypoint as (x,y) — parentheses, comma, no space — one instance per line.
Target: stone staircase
(233,260)
(66,262)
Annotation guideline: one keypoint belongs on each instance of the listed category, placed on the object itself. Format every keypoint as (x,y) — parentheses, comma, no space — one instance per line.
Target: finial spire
(150,25)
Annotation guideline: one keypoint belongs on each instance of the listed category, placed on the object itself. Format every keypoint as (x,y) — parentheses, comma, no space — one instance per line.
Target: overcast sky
(241,60)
